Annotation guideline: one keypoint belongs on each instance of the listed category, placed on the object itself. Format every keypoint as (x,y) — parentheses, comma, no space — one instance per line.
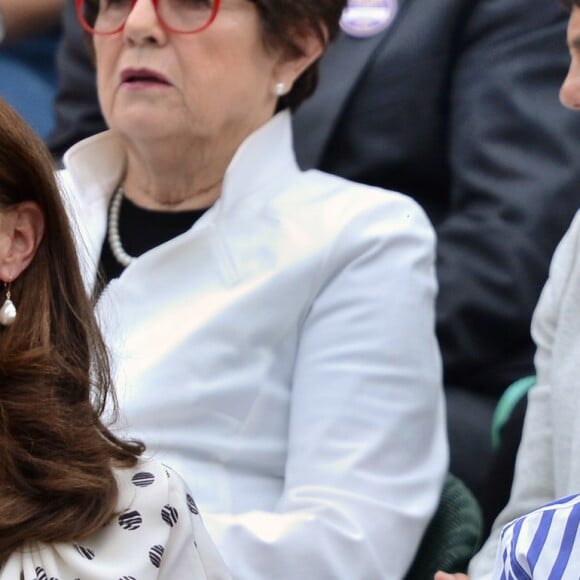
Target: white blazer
(281,355)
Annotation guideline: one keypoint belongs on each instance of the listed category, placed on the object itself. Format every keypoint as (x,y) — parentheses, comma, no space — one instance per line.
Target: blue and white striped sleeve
(542,545)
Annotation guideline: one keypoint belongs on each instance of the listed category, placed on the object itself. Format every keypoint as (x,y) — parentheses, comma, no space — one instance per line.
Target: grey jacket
(548,465)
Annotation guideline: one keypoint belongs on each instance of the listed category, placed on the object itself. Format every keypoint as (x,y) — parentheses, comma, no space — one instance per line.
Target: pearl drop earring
(280,89)
(7,310)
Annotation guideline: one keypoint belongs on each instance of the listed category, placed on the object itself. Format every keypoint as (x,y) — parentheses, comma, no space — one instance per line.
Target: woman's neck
(174,179)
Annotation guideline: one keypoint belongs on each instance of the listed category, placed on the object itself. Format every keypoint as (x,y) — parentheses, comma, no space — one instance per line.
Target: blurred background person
(29,34)
(273,329)
(76,500)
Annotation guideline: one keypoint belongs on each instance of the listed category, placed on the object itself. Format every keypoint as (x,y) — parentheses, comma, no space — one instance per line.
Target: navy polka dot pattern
(130,520)
(169,515)
(85,552)
(156,534)
(143,479)
(41,574)
(155,555)
(191,505)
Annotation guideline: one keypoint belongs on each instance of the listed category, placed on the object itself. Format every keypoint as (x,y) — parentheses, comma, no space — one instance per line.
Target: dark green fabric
(453,536)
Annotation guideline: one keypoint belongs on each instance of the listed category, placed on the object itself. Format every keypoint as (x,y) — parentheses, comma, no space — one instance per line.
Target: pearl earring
(7,310)
(280,89)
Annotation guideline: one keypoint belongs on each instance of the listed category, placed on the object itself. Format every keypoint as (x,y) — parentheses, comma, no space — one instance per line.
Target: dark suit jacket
(456,104)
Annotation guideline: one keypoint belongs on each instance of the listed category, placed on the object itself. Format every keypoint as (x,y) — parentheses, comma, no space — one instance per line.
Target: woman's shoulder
(155,498)
(155,533)
(149,483)
(161,499)
(346,201)
(156,492)
(339,187)
(151,499)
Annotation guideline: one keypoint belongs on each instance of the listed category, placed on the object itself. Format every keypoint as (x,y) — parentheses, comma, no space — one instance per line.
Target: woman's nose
(142,23)
(570,89)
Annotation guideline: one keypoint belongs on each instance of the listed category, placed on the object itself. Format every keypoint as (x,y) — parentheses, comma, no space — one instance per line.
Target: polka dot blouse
(156,534)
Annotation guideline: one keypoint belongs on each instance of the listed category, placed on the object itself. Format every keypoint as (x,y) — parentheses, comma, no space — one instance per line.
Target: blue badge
(362,18)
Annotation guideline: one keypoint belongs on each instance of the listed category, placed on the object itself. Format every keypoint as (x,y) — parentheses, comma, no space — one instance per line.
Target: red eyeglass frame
(81,19)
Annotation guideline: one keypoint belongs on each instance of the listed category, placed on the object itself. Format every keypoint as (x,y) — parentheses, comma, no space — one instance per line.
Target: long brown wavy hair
(56,454)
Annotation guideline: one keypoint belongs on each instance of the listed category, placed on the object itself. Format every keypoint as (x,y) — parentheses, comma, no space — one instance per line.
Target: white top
(281,355)
(548,462)
(542,545)
(156,534)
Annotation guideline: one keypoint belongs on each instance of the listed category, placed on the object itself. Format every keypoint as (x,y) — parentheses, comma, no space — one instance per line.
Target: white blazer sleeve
(367,442)
(533,483)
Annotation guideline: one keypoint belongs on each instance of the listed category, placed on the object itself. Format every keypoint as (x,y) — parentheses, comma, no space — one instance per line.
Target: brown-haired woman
(75,500)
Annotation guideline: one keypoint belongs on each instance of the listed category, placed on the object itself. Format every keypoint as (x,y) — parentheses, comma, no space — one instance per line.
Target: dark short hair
(284,21)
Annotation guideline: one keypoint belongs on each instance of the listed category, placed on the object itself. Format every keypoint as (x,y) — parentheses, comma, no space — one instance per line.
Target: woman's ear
(290,67)
(21,231)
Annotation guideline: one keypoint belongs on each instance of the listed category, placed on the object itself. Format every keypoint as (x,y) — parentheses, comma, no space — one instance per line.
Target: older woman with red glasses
(272,329)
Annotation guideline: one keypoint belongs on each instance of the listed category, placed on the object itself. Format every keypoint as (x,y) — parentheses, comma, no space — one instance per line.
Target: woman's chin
(144,127)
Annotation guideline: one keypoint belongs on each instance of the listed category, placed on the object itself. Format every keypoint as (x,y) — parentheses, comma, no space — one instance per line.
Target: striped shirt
(542,545)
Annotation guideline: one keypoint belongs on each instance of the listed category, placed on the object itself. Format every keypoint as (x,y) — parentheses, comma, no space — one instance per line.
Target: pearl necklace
(114,237)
